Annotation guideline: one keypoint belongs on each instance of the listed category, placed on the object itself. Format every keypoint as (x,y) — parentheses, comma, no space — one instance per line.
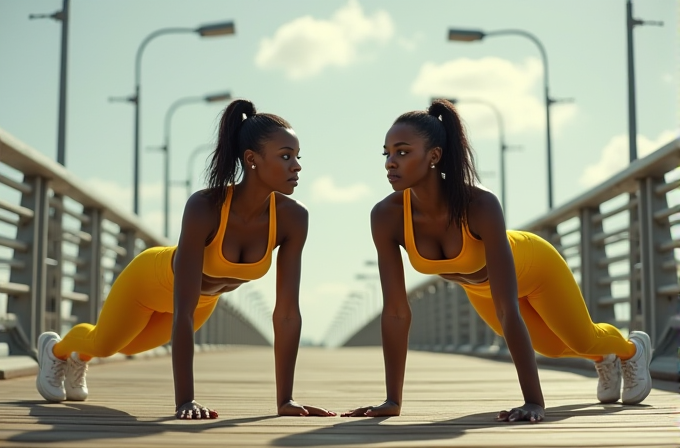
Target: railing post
(55,264)
(593,267)
(30,311)
(635,264)
(91,269)
(656,308)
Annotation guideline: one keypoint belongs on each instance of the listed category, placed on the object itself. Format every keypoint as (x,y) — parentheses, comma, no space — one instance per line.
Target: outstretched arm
(487,221)
(286,318)
(188,267)
(395,320)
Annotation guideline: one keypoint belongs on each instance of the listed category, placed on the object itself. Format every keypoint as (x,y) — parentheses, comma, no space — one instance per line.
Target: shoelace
(78,371)
(630,370)
(56,373)
(604,372)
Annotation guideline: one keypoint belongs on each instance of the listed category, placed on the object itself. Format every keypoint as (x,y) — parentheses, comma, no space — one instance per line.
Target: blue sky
(340,72)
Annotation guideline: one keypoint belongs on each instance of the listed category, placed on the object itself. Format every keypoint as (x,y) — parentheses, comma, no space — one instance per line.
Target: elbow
(397,313)
(508,318)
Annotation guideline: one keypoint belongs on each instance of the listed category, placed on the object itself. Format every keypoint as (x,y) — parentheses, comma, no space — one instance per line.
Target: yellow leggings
(551,305)
(138,312)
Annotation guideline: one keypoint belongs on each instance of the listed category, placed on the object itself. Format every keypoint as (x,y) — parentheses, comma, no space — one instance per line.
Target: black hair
(241,128)
(441,126)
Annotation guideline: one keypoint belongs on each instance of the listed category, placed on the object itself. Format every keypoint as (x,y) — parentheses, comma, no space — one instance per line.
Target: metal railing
(621,240)
(61,247)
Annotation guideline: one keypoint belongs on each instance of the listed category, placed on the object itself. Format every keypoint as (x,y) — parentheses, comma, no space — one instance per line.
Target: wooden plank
(450,400)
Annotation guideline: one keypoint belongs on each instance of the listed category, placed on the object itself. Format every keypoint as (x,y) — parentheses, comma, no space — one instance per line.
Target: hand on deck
(529,412)
(194,411)
(291,408)
(387,409)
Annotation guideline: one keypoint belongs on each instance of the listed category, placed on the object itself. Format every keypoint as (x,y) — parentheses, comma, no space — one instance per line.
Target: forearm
(286,341)
(524,358)
(182,358)
(395,330)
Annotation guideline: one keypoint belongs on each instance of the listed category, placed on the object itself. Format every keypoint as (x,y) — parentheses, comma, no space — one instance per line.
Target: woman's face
(407,158)
(277,164)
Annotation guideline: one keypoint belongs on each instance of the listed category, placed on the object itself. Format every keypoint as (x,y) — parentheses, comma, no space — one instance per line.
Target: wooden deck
(450,401)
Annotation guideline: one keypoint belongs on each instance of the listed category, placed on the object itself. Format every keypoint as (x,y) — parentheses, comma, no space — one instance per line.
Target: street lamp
(224,96)
(210,30)
(501,137)
(461,35)
(63,17)
(632,120)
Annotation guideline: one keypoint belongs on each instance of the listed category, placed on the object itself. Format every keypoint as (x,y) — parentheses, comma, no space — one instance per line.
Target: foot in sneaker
(50,380)
(609,382)
(74,382)
(637,381)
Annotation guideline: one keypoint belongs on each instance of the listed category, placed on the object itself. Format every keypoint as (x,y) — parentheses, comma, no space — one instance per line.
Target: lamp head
(216,29)
(224,96)
(465,35)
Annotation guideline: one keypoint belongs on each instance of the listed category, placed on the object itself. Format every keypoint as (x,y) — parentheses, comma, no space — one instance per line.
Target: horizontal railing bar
(602,262)
(78,261)
(608,301)
(67,211)
(23,212)
(79,235)
(14,288)
(10,220)
(668,290)
(117,249)
(615,211)
(75,296)
(669,245)
(576,229)
(13,244)
(670,264)
(613,278)
(566,247)
(12,263)
(665,188)
(663,214)
(20,186)
(600,237)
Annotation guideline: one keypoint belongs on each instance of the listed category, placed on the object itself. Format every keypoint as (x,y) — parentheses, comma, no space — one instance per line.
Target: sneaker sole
(647,343)
(42,340)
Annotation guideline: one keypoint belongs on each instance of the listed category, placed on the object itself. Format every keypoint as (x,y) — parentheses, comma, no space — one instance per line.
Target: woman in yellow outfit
(518,283)
(228,234)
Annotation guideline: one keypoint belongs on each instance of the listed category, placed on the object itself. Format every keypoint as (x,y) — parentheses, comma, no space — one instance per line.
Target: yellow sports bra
(471,258)
(214,263)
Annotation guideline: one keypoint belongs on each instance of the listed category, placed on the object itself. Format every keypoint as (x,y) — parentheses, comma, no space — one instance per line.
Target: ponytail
(441,126)
(241,128)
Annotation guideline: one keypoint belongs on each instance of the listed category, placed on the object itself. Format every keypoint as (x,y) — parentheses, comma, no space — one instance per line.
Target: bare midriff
(471,279)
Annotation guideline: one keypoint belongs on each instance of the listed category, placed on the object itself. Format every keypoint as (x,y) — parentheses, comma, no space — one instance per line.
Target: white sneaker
(609,382)
(74,382)
(637,381)
(50,379)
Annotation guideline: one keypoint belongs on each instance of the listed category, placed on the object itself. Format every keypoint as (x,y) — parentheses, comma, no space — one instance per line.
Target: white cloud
(305,46)
(515,89)
(325,190)
(614,157)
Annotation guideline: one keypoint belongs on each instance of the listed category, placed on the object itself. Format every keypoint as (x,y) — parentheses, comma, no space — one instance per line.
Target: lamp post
(216,29)
(224,96)
(61,16)
(632,119)
(474,35)
(501,138)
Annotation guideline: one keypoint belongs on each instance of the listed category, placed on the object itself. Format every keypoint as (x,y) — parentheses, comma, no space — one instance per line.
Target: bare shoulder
(389,208)
(290,209)
(485,213)
(483,201)
(201,217)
